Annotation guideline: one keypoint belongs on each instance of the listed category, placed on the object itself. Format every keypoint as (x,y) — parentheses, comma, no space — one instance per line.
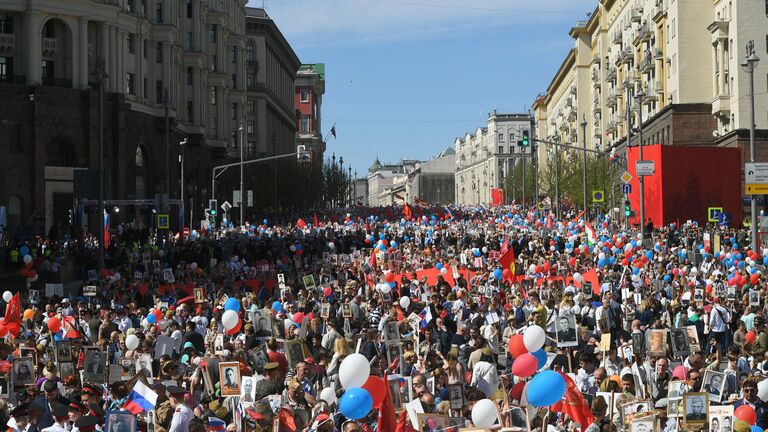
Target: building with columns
(191,56)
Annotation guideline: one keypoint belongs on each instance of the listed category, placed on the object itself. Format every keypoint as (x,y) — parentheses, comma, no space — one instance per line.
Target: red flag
(507,262)
(300,223)
(372,261)
(578,216)
(70,328)
(590,277)
(11,324)
(286,420)
(574,404)
(387,419)
(315,223)
(505,245)
(407,211)
(404,425)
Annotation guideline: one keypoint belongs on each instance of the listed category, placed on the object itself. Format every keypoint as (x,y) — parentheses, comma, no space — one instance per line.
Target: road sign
(757,189)
(626,188)
(162,221)
(756,173)
(249,198)
(713,213)
(598,196)
(645,167)
(226,206)
(626,177)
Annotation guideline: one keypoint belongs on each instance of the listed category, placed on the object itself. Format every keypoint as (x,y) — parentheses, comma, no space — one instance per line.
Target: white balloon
(577,277)
(229,319)
(131,342)
(7,296)
(328,395)
(534,338)
(27,259)
(354,371)
(385,288)
(292,248)
(443,270)
(762,390)
(485,249)
(33,278)
(484,413)
(601,255)
(405,302)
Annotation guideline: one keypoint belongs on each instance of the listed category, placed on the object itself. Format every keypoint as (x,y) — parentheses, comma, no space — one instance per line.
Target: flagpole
(329,133)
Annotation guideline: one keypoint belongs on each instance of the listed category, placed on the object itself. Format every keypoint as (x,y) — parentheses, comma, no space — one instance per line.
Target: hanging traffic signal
(526,140)
(627,209)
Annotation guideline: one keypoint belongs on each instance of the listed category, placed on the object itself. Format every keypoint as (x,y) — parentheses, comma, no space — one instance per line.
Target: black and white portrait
(95,365)
(34,296)
(247,389)
(566,331)
(675,407)
(229,372)
(325,310)
(695,409)
(63,351)
(218,343)
(394,390)
(259,357)
(66,369)
(294,352)
(309,282)
(638,342)
(391,332)
(642,425)
(144,362)
(262,323)
(395,356)
(720,418)
(713,385)
(5,383)
(346,310)
(456,396)
(121,421)
(679,338)
(754,298)
(168,276)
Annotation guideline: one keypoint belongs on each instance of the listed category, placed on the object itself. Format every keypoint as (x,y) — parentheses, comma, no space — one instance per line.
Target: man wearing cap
(25,416)
(163,409)
(87,424)
(181,413)
(76,410)
(60,413)
(761,344)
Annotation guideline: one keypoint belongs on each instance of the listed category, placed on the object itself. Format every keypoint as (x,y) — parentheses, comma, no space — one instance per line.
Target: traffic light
(627,209)
(70,216)
(526,140)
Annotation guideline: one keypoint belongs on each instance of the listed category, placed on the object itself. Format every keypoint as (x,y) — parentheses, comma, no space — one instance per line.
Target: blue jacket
(761,408)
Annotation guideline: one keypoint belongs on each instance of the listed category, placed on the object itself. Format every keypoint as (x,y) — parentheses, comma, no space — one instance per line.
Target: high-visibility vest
(15,256)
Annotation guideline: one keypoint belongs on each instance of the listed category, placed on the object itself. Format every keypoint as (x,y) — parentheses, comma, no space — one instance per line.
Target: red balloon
(377,388)
(754,278)
(746,413)
(675,271)
(750,337)
(517,390)
(298,317)
(158,314)
(389,277)
(572,262)
(517,346)
(236,328)
(54,324)
(506,273)
(525,365)
(327,291)
(680,372)
(537,269)
(706,248)
(547,266)
(625,262)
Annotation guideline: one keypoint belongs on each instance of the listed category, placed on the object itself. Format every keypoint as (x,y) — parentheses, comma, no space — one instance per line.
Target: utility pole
(242,189)
(181,186)
(628,87)
(749,64)
(100,75)
(584,164)
(167,184)
(640,95)
(557,180)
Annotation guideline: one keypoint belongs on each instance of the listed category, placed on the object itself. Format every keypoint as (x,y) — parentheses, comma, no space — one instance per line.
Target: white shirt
(181,417)
(485,377)
(717,318)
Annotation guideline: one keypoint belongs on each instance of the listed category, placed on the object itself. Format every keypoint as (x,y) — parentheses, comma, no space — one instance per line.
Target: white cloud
(306,22)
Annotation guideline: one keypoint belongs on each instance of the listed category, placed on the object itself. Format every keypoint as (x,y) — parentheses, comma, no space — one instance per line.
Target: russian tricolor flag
(141,398)
(216,425)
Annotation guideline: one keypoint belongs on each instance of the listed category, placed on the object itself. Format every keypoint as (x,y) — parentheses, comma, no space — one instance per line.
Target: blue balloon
(23,251)
(667,278)
(232,304)
(635,271)
(393,244)
(406,238)
(392,284)
(541,358)
(498,274)
(382,247)
(546,388)
(355,403)
(756,428)
(382,236)
(277,306)
(476,252)
(765,260)
(439,266)
(151,318)
(264,222)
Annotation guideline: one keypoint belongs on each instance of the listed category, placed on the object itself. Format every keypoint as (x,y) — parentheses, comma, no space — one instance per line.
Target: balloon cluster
(230,318)
(28,272)
(354,375)
(546,387)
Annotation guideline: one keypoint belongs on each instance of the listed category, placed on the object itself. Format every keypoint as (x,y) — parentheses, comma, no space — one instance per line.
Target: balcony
(636,15)
(7,43)
(658,54)
(612,100)
(648,63)
(721,106)
(13,79)
(645,33)
(50,47)
(613,126)
(595,75)
(627,55)
(659,11)
(596,84)
(617,38)
(658,87)
(596,58)
(611,74)
(57,82)
(572,116)
(596,115)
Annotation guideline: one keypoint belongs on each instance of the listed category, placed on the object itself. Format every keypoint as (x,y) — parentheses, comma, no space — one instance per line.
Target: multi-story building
(484,159)
(188,56)
(384,182)
(668,66)
(308,100)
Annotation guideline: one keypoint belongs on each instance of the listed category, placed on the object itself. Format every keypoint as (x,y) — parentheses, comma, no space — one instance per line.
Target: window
(674,31)
(304,124)
(6,68)
(213,95)
(49,68)
(159,52)
(511,138)
(144,8)
(14,138)
(159,91)
(233,110)
(249,126)
(145,88)
(501,137)
(190,41)
(130,83)
(130,5)
(304,96)
(189,9)
(251,106)
(213,62)
(212,33)
(233,53)
(251,79)
(6,23)
(766,7)
(190,111)
(190,76)
(158,11)
(131,43)
(251,52)
(251,149)
(501,149)
(234,81)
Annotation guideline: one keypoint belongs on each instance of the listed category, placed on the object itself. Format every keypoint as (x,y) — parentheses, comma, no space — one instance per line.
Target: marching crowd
(396,319)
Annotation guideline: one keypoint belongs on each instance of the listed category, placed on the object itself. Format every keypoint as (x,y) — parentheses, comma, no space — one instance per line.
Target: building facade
(484,158)
(668,68)
(386,183)
(434,181)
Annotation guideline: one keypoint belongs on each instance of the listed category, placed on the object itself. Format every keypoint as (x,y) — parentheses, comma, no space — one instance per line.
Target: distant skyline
(405,78)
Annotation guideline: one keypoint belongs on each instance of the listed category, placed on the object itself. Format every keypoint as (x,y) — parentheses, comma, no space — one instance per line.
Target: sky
(404,78)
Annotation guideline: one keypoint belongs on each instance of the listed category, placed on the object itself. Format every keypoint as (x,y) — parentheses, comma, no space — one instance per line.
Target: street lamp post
(584,163)
(242,189)
(181,185)
(101,75)
(750,64)
(640,95)
(341,181)
(627,86)
(557,180)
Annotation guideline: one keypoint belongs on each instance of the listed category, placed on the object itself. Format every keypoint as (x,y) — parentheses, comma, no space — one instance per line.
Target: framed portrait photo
(346,310)
(67,369)
(643,425)
(5,386)
(565,327)
(693,339)
(295,352)
(456,396)
(754,298)
(713,385)
(309,281)
(657,342)
(392,332)
(199,293)
(720,418)
(247,389)
(638,342)
(229,373)
(95,369)
(120,421)
(679,339)
(695,407)
(63,351)
(394,390)
(633,410)
(432,422)
(325,310)
(674,407)
(259,357)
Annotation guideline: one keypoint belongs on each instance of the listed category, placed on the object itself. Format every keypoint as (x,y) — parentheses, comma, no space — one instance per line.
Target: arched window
(140,164)
(251,51)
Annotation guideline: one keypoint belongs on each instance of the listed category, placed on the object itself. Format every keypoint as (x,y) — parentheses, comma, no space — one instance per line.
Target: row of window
(131,7)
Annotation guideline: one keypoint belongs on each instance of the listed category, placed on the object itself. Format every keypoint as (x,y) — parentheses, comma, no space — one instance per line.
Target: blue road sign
(626,188)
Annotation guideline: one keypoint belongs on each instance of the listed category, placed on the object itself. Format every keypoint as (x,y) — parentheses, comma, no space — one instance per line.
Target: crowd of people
(396,319)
